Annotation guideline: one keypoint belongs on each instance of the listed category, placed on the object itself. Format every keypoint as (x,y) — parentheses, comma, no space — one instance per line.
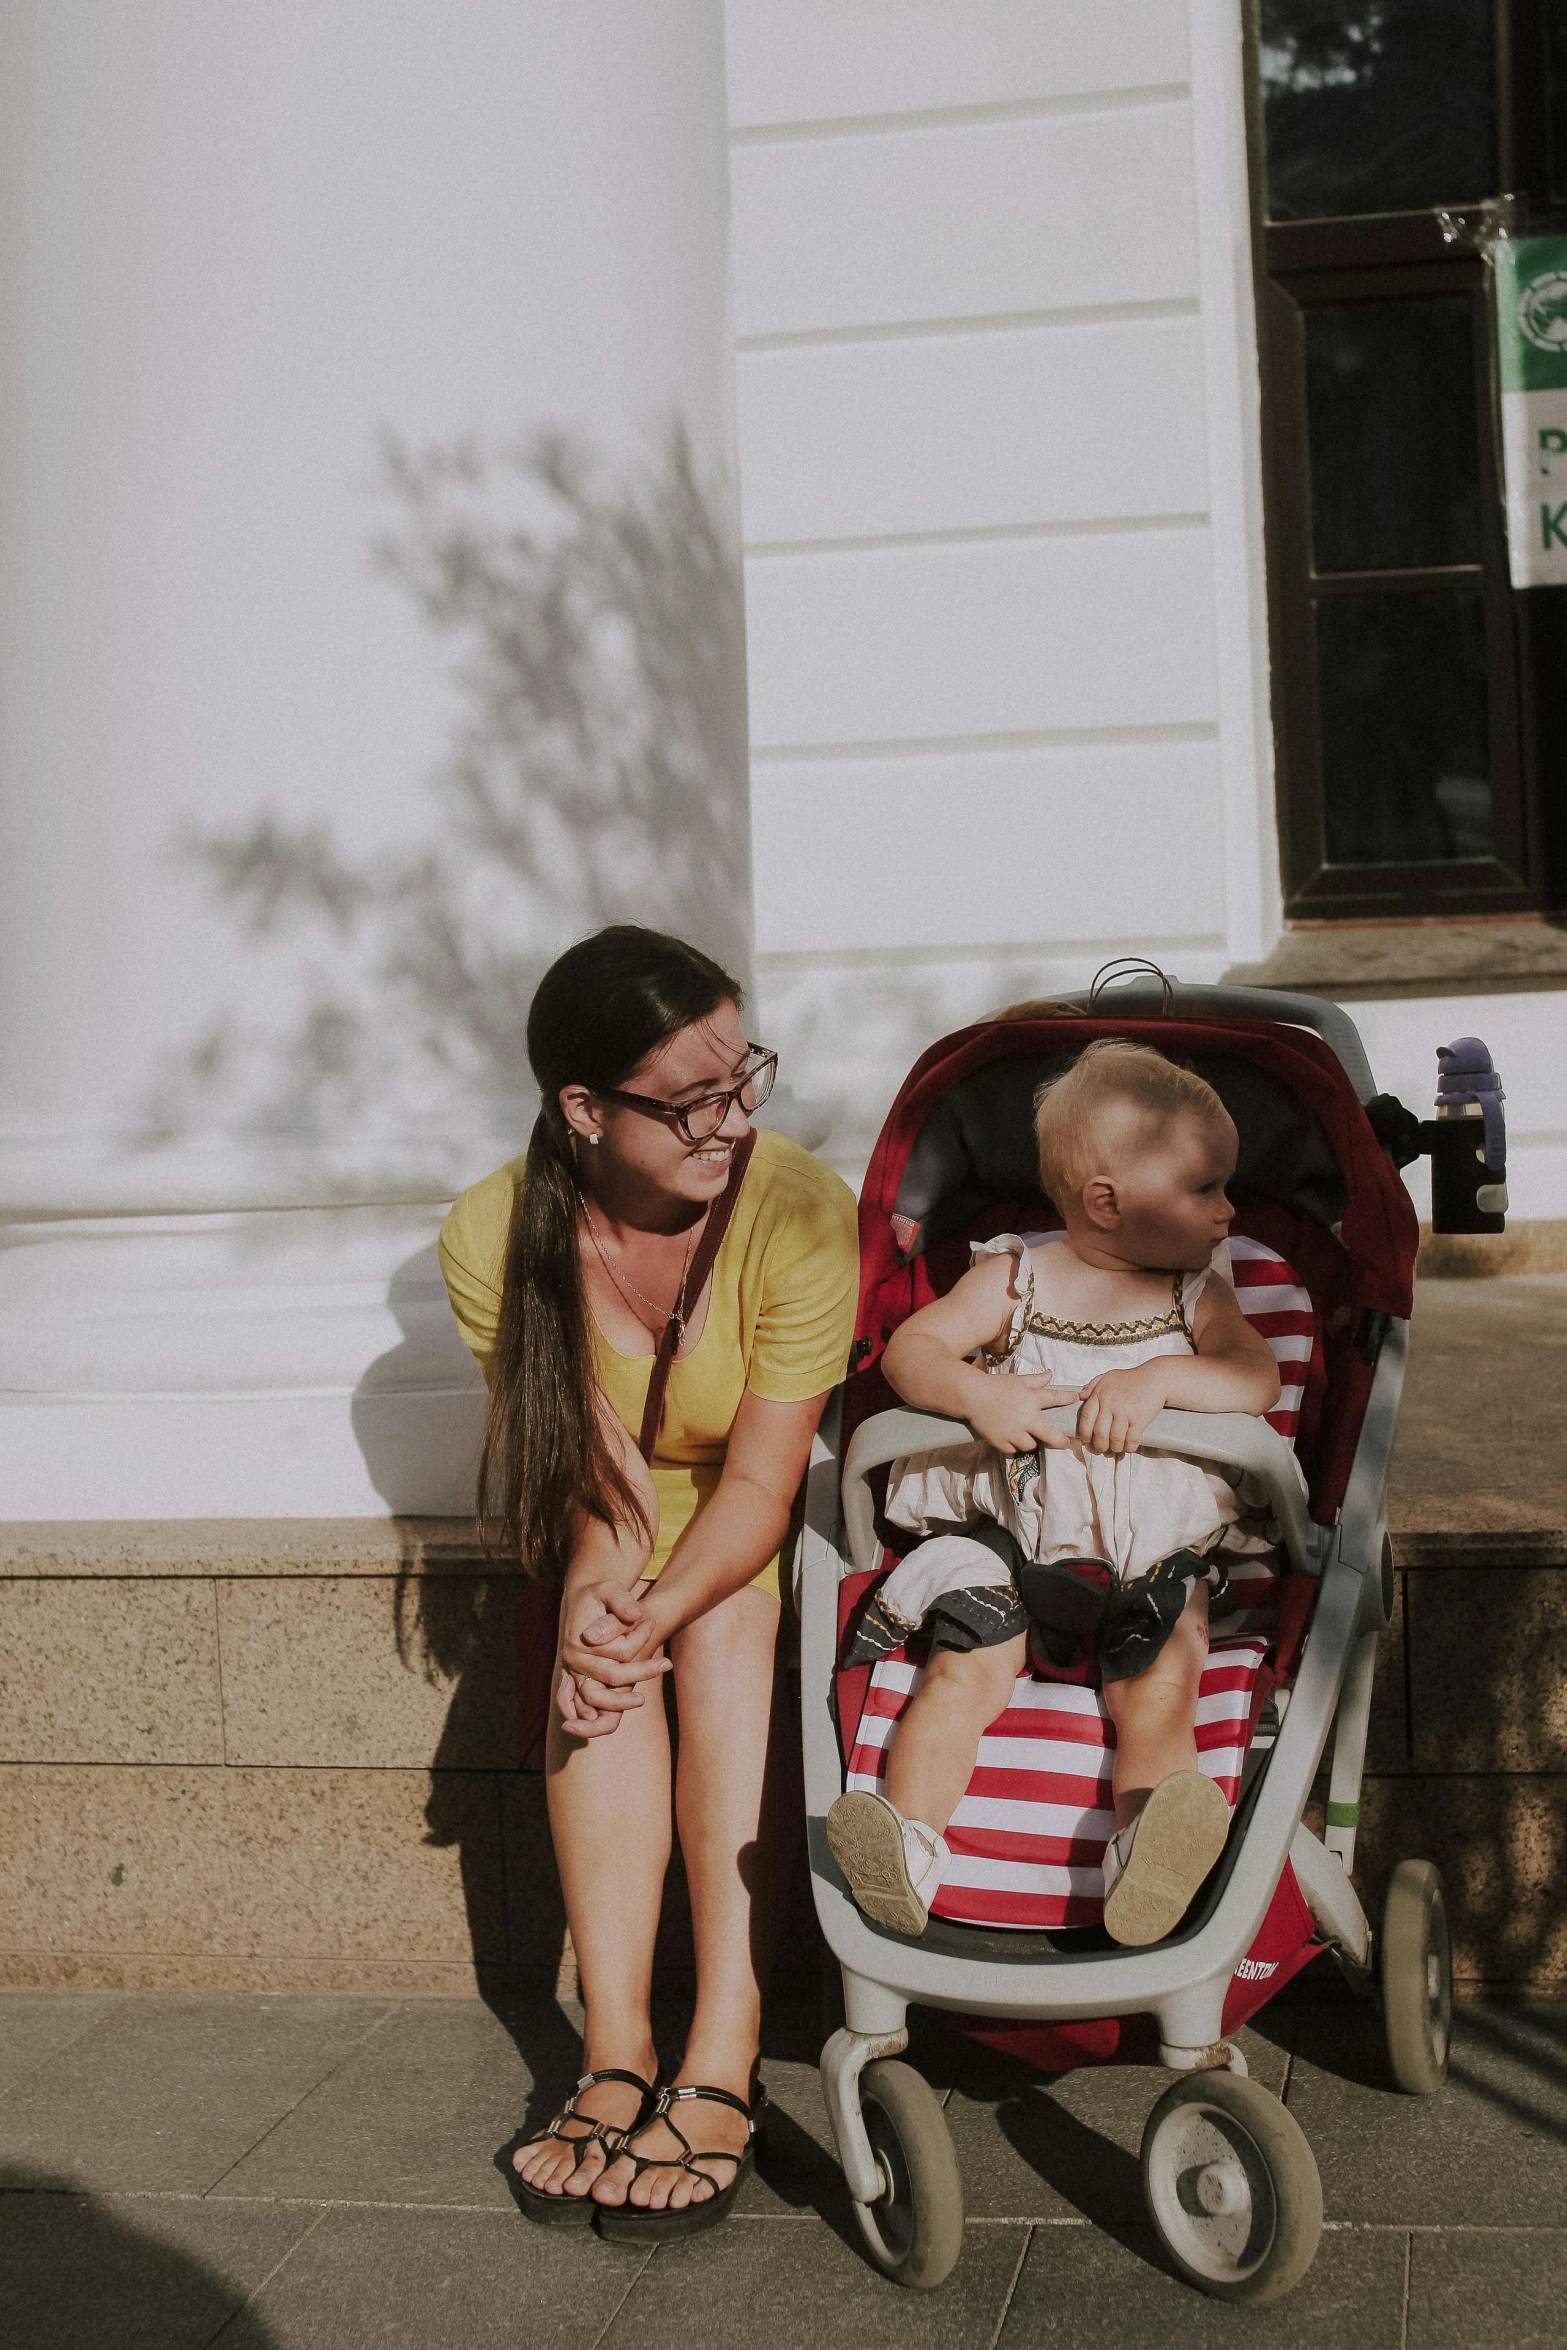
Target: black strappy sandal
(629,2223)
(560,2209)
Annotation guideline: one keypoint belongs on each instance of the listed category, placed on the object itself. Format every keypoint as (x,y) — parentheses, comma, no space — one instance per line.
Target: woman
(565,1272)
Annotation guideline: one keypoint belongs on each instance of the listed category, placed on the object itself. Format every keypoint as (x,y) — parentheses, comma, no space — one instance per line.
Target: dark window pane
(1391,426)
(1405,752)
(1556,19)
(1377,105)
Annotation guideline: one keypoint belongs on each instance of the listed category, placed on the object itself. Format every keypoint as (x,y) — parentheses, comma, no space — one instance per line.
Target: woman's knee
(730,1651)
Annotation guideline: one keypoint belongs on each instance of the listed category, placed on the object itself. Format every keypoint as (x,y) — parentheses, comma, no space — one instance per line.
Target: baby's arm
(926,1362)
(1233,1370)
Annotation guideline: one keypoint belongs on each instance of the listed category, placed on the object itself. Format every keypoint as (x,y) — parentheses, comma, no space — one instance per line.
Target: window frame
(1369,257)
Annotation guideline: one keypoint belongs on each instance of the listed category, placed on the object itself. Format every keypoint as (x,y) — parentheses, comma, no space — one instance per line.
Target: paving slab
(82,2273)
(797,2168)
(1489,2150)
(1082,2287)
(794,2281)
(1469,2286)
(423,2280)
(1066,2147)
(34,2025)
(1479,1471)
(418,2112)
(170,2089)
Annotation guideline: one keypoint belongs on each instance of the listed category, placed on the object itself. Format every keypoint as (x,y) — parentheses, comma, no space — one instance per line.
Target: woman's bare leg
(731,1727)
(1155,1713)
(609,1805)
(937,1740)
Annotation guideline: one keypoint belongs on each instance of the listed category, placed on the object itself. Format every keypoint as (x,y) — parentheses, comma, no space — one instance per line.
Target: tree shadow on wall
(597,773)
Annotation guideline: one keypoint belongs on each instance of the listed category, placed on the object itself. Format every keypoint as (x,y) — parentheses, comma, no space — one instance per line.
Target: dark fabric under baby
(959,1619)
(1075,1612)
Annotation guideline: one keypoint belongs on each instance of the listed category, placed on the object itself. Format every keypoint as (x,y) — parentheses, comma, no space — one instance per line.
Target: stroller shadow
(1098,2178)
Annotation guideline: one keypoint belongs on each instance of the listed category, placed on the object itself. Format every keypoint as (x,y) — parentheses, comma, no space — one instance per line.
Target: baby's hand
(1118,1405)
(1011,1414)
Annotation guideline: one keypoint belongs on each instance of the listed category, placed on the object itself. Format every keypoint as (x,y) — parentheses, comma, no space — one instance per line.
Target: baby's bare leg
(937,1739)
(1155,1713)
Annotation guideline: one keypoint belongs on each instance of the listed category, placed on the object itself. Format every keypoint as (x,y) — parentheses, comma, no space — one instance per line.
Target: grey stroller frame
(1235,2194)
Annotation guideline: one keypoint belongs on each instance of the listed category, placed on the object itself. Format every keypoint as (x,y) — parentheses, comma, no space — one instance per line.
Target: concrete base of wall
(266,1756)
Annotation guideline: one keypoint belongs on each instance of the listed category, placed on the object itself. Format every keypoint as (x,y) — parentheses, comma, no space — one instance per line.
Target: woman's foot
(717,2131)
(893,1865)
(1154,1866)
(570,2152)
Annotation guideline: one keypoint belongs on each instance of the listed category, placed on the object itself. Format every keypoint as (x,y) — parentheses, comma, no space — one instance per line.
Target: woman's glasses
(700,1120)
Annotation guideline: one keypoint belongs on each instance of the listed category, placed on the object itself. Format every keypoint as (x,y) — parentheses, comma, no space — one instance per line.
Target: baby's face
(1171,1193)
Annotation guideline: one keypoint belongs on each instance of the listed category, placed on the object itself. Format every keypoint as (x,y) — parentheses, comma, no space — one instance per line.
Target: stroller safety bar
(1234,1440)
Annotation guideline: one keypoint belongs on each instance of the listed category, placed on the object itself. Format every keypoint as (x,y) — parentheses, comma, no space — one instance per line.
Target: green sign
(1530,284)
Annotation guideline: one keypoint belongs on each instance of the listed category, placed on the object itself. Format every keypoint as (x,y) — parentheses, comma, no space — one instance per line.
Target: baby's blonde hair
(1070,1111)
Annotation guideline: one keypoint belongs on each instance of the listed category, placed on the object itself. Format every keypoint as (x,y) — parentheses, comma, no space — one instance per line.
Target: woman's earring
(593,1138)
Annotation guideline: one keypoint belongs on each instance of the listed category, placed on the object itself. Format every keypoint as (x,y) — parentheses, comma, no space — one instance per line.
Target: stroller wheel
(1417,1978)
(914,2230)
(1232,2187)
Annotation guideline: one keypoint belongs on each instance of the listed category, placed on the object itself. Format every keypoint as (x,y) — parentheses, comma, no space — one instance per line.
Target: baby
(1077,1543)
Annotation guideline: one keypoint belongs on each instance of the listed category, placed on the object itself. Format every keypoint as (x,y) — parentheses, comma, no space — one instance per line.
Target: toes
(609,2186)
(586,2170)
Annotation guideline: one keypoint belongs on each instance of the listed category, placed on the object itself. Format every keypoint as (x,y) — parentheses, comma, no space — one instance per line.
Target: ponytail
(599,1011)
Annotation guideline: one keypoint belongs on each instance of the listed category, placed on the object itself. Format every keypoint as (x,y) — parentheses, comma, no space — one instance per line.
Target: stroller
(1323,1249)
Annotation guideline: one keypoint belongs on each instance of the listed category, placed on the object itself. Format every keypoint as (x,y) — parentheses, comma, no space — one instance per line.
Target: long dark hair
(600,1010)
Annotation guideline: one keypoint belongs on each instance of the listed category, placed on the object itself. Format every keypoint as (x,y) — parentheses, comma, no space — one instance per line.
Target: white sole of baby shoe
(865,1837)
(1180,1834)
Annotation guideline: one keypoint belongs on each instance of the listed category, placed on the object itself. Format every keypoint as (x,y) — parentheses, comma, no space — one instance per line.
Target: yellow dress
(779,1320)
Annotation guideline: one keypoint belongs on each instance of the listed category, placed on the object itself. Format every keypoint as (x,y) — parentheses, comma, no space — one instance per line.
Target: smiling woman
(661,1300)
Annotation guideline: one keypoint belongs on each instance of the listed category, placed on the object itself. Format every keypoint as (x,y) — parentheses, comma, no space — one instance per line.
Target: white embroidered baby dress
(1131,1509)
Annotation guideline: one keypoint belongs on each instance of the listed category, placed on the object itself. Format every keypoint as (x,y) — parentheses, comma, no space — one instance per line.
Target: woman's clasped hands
(611,1641)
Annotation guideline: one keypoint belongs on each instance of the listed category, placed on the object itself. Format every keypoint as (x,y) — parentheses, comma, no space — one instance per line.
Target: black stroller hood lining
(978,1144)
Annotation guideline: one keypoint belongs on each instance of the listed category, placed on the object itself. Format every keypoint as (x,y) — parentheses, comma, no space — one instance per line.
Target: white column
(307,765)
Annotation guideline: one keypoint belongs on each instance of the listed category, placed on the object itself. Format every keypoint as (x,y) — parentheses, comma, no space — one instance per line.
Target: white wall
(997,395)
(236,245)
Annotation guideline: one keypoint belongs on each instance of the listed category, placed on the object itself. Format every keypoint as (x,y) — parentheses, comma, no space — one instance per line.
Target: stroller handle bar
(1233,1440)
(1329,1021)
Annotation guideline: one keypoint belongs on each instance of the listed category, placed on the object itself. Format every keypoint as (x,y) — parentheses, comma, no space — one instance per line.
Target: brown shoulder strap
(701,1265)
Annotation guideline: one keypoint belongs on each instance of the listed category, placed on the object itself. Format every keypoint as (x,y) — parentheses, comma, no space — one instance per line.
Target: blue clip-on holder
(1466,1141)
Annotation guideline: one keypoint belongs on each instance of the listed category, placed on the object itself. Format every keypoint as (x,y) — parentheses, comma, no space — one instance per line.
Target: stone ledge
(1350,962)
(1440,1546)
(1536,1245)
(246,1546)
(114,1970)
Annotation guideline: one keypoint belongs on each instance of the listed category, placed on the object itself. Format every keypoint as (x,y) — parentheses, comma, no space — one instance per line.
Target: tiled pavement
(271,2173)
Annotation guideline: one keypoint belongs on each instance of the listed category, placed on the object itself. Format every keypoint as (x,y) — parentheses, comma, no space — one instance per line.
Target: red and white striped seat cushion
(1028,1839)
(1270,1295)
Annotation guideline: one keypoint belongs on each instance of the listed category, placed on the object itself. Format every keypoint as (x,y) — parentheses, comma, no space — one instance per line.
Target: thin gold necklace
(676,1313)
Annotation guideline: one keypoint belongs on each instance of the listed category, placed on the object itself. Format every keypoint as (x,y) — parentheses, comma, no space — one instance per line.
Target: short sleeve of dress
(808,1276)
(1010,1244)
(472,1254)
